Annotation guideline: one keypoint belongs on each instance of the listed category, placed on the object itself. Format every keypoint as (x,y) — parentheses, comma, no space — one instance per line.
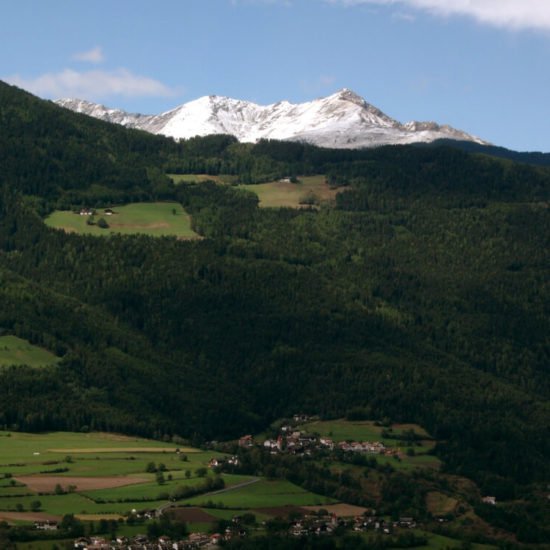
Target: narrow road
(233,487)
(159,511)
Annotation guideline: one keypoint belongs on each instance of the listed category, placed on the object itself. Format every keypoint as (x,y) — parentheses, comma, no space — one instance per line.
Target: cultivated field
(47,484)
(16,351)
(157,219)
(309,191)
(100,475)
(339,510)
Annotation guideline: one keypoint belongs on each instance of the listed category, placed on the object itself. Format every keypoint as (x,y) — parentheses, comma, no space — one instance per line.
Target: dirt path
(234,487)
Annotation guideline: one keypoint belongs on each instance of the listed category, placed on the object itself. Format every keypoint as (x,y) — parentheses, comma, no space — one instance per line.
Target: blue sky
(484,68)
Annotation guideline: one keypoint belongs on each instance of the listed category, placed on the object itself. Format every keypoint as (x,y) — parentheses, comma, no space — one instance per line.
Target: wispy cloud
(95,56)
(94,85)
(404,16)
(287,3)
(511,14)
(317,85)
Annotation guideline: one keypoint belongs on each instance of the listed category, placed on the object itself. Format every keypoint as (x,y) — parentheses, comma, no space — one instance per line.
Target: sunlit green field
(263,494)
(157,219)
(89,456)
(309,191)
(154,490)
(96,458)
(16,351)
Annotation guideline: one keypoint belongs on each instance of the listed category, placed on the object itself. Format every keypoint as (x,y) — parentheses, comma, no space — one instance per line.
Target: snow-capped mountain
(342,120)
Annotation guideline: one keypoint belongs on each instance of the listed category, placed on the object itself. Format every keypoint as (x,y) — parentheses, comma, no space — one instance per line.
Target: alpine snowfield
(342,120)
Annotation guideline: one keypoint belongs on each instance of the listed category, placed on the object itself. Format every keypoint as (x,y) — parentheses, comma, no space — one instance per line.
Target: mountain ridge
(342,120)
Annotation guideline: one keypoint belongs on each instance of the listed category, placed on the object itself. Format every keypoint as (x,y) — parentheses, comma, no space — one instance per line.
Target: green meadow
(263,494)
(367,430)
(309,191)
(64,458)
(359,430)
(157,219)
(440,542)
(16,351)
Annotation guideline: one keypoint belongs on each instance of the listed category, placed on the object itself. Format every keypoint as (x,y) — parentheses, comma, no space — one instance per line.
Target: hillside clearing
(309,191)
(157,219)
(16,351)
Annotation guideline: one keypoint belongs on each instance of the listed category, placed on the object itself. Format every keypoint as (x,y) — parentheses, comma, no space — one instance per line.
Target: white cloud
(512,14)
(95,56)
(93,85)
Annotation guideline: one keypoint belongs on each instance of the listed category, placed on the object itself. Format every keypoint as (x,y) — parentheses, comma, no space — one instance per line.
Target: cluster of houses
(218,462)
(311,524)
(371,447)
(293,441)
(142,542)
(325,525)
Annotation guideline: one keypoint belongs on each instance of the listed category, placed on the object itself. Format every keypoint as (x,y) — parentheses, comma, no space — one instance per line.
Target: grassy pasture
(157,219)
(153,489)
(347,430)
(440,542)
(92,460)
(16,351)
(366,430)
(408,463)
(282,194)
(41,454)
(263,494)
(440,504)
(360,430)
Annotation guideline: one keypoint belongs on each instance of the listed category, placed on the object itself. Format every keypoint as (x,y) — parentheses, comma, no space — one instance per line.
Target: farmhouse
(328,443)
(46,525)
(274,445)
(246,441)
(216,462)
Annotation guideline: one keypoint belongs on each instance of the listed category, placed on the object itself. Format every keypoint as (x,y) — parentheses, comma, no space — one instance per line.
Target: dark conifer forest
(420,295)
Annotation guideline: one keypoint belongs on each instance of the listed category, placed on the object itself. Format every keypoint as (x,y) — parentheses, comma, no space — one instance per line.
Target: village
(315,523)
(295,441)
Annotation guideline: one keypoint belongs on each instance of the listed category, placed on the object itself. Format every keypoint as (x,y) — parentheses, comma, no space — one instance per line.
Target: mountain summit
(341,120)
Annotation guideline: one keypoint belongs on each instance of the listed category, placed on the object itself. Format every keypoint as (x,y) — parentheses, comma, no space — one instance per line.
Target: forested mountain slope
(47,151)
(420,295)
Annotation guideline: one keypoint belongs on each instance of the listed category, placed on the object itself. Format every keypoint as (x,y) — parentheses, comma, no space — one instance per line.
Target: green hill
(419,296)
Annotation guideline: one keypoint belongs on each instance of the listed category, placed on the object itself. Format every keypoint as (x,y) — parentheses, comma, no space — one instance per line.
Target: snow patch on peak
(342,120)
